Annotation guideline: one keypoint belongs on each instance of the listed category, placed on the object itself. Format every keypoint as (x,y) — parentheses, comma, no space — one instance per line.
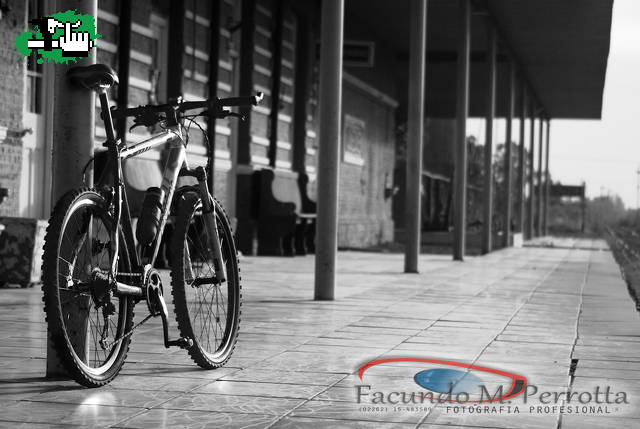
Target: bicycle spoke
(207,305)
(86,246)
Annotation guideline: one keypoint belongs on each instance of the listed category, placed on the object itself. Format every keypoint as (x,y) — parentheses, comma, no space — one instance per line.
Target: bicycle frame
(176,159)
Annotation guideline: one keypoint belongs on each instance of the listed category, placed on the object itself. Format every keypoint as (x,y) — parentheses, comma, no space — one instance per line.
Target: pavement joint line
(350,324)
(458,277)
(178,394)
(305,401)
(533,291)
(577,332)
(382,308)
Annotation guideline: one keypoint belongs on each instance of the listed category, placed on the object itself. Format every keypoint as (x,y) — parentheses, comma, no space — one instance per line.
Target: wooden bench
(286,224)
(4,193)
(306,229)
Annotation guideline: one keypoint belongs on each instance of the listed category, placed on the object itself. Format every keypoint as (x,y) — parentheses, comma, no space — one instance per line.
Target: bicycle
(93,273)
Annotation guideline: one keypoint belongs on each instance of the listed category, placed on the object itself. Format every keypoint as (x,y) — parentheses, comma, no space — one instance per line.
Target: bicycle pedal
(182,342)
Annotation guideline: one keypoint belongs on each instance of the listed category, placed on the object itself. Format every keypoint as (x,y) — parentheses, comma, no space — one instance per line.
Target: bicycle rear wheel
(83,317)
(207,312)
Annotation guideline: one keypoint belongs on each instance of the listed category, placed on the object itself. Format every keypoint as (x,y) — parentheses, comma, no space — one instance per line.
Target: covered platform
(518,60)
(556,312)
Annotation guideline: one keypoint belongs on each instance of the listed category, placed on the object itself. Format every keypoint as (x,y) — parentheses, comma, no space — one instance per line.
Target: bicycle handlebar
(252,100)
(215,105)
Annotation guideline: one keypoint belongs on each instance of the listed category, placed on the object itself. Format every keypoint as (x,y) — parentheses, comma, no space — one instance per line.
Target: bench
(285,213)
(306,229)
(4,193)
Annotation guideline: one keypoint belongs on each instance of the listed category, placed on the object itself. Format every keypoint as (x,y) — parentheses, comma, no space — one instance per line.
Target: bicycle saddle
(94,77)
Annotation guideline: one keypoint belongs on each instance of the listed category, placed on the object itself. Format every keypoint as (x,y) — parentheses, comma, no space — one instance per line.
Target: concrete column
(547,185)
(539,196)
(487,209)
(506,236)
(124,57)
(330,104)
(521,158)
(417,71)
(73,132)
(530,210)
(462,110)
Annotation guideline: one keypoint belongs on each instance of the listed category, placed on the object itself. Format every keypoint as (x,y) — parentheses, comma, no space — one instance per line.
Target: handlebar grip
(188,105)
(252,100)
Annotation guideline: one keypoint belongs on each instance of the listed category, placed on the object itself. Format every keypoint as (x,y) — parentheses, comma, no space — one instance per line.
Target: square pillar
(124,61)
(73,134)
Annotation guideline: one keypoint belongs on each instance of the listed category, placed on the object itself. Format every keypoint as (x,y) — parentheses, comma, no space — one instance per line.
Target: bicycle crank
(158,307)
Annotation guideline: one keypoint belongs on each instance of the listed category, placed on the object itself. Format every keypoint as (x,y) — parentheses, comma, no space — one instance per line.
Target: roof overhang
(561,48)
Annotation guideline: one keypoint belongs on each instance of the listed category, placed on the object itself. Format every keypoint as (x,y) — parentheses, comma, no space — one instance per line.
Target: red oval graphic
(518,382)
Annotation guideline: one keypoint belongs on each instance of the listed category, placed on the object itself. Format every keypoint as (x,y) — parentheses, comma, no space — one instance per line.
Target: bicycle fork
(209,217)
(155,297)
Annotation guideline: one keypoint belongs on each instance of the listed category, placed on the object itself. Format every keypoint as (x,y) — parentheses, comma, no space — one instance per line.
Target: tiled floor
(558,315)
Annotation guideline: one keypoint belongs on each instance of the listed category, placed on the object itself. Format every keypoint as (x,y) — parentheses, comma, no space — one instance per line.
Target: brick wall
(145,63)
(11,100)
(365,215)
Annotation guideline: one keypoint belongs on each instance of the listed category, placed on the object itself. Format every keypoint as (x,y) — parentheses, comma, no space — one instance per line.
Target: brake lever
(228,113)
(135,126)
(146,120)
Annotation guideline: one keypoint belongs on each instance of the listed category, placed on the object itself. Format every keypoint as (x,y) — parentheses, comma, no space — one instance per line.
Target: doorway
(35,198)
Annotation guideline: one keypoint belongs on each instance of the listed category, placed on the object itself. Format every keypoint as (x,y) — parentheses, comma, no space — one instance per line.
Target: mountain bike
(94,272)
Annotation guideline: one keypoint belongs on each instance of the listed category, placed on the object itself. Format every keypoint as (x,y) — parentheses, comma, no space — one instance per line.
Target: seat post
(106,115)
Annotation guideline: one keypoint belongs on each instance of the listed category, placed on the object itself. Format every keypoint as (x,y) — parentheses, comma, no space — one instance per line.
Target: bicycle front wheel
(206,311)
(83,316)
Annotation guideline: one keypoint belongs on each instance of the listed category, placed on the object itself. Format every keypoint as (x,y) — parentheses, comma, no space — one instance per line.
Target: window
(33,94)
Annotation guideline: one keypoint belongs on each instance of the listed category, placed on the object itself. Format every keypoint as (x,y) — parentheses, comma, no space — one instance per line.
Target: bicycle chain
(128,274)
(106,345)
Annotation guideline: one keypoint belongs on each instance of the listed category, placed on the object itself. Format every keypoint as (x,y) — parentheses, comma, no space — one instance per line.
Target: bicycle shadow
(19,387)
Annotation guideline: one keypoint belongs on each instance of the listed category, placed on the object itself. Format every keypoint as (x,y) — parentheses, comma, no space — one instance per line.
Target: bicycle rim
(207,312)
(84,246)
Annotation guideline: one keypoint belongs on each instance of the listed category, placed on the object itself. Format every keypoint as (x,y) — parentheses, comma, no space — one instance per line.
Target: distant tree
(603,212)
(499,185)
(475,179)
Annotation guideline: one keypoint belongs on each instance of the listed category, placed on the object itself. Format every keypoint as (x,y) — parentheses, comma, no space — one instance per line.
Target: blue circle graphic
(441,380)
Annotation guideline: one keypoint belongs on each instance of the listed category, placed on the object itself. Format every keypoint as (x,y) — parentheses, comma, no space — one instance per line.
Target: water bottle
(149,221)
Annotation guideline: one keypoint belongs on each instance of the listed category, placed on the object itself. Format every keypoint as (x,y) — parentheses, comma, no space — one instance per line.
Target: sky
(605,153)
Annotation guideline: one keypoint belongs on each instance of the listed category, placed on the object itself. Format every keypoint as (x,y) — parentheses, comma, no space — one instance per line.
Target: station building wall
(368,107)
(13,72)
